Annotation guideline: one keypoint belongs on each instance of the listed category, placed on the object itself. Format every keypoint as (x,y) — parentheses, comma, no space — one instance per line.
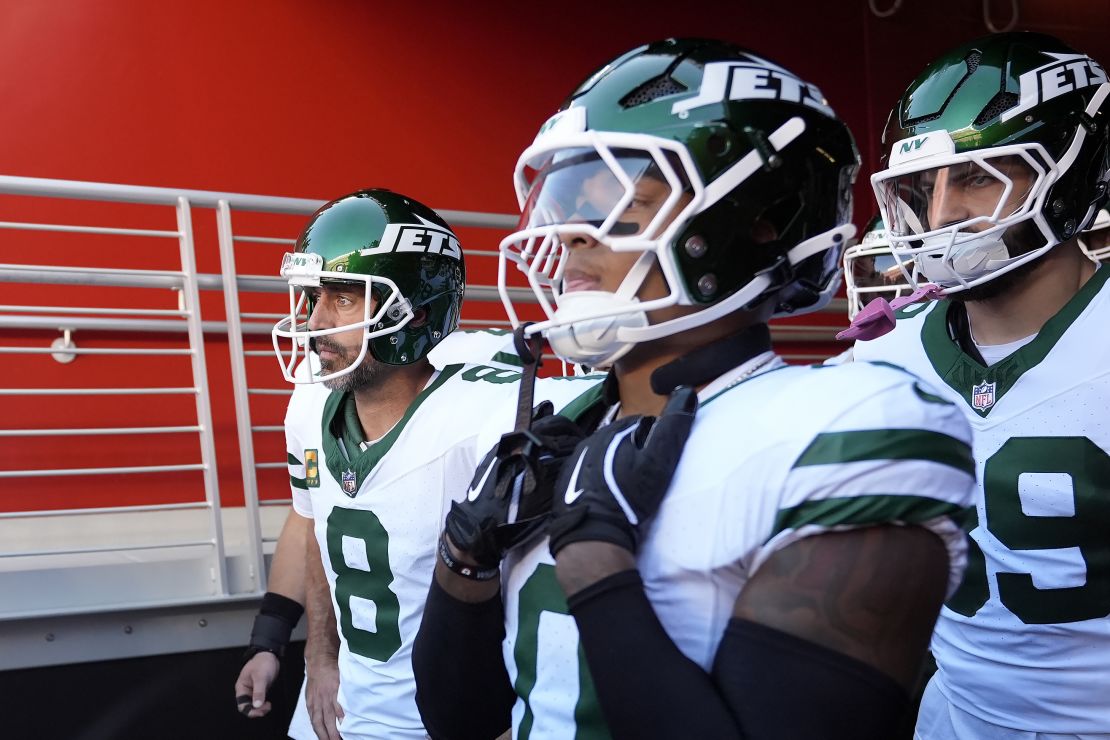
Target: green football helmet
(405,257)
(993,156)
(752,176)
(871,271)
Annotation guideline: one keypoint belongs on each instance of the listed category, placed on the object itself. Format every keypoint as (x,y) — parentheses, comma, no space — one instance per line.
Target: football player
(283,603)
(1095,241)
(995,160)
(763,559)
(379,444)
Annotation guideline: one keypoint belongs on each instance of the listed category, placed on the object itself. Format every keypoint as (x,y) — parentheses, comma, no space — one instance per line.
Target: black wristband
(274,623)
(472,572)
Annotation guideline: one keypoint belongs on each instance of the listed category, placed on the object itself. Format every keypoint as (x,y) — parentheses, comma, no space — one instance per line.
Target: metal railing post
(239,390)
(200,381)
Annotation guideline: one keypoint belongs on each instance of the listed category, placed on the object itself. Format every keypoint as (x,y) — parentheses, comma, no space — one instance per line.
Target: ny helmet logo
(914,145)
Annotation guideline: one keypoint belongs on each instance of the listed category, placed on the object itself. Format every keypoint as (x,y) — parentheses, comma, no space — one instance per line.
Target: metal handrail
(94,431)
(91,309)
(39,473)
(10,273)
(96,391)
(92,351)
(71,229)
(185,319)
(46,513)
(110,548)
(111,192)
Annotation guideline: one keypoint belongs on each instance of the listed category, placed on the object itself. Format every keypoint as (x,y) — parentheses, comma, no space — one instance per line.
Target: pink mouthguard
(877,317)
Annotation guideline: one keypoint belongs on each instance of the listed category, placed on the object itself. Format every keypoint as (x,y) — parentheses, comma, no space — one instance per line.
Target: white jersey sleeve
(490,347)
(303,459)
(899,454)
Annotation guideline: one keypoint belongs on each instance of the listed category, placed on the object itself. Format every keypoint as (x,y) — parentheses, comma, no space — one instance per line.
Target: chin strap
(530,350)
(706,363)
(877,317)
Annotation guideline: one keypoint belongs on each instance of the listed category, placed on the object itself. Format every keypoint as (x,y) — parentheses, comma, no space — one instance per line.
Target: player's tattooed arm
(872,594)
(837,623)
(321,648)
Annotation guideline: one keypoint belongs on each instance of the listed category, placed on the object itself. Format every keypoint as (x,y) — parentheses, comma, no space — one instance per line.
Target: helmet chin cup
(595,342)
(955,261)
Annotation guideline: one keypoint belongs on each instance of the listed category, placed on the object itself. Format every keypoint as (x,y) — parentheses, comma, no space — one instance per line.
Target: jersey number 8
(369,586)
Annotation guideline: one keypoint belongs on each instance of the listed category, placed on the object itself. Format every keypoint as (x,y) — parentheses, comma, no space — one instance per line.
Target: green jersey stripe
(831,448)
(508,358)
(298,483)
(581,404)
(293,459)
(867,509)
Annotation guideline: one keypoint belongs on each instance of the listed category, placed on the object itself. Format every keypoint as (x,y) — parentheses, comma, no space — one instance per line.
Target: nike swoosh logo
(474,491)
(572,495)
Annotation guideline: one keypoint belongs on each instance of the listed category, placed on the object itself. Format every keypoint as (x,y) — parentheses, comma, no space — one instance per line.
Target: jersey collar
(982,387)
(342,435)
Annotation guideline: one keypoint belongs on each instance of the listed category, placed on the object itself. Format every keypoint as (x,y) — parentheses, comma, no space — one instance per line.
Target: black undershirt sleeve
(462,688)
(765,684)
(783,687)
(646,687)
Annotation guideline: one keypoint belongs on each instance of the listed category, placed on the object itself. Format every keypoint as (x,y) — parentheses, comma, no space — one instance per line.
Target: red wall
(314,98)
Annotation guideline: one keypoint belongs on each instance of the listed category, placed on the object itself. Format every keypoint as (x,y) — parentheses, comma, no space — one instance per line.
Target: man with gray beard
(379,444)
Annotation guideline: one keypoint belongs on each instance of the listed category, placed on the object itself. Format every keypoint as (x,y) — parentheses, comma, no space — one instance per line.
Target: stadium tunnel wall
(313,100)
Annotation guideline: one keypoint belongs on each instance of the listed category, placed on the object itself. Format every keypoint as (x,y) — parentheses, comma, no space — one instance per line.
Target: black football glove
(616,478)
(510,495)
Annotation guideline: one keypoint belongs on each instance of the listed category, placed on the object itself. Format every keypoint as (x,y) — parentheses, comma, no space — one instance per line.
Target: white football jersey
(492,347)
(1025,642)
(785,454)
(378,509)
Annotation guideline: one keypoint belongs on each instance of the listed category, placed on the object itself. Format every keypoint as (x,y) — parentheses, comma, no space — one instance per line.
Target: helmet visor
(969,196)
(613,193)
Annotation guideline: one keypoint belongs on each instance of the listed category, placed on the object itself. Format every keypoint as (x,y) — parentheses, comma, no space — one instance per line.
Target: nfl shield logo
(982,396)
(349,484)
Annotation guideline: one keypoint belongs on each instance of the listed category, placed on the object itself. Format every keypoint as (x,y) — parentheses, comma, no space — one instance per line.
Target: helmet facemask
(630,192)
(960,220)
(385,311)
(871,271)
(585,185)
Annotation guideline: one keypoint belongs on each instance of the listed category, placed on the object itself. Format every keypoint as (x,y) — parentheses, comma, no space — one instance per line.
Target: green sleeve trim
(866,510)
(507,358)
(831,448)
(298,483)
(583,403)
(293,459)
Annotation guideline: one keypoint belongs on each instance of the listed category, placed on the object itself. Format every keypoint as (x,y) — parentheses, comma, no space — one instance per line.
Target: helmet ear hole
(763,231)
(419,318)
